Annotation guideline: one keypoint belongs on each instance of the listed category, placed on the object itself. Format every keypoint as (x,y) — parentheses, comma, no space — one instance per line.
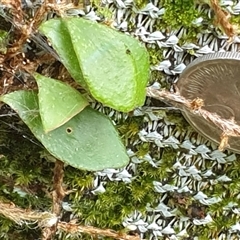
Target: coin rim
(193,67)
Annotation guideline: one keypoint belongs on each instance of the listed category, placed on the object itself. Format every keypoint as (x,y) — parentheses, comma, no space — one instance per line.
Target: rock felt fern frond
(82,142)
(112,66)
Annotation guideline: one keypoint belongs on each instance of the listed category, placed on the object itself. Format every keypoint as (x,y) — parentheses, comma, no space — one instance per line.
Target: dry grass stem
(47,220)
(57,197)
(21,216)
(74,228)
(228,126)
(223,19)
(224,142)
(58,192)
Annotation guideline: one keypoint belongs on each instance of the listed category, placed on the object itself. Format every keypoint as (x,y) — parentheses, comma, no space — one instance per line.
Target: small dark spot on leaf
(69,130)
(128,51)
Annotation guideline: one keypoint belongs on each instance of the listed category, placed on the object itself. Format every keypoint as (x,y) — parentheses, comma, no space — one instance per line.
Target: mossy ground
(26,180)
(26,175)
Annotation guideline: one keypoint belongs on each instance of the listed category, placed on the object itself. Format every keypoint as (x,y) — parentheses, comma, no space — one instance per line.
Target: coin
(215,78)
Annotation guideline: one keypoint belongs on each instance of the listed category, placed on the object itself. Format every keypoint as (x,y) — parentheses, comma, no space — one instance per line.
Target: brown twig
(46,220)
(223,19)
(58,192)
(228,126)
(57,196)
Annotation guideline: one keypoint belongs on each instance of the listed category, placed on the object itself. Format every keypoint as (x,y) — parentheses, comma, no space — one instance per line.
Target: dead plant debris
(47,220)
(222,19)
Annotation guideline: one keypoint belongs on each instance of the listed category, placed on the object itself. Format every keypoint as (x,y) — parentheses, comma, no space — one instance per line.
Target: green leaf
(60,40)
(114,66)
(58,102)
(87,141)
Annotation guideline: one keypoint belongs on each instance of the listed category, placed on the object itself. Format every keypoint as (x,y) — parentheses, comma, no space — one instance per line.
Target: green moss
(79,179)
(140,3)
(22,169)
(120,199)
(155,54)
(130,128)
(107,209)
(24,166)
(204,237)
(228,191)
(235,19)
(103,11)
(3,41)
(179,122)
(9,231)
(143,149)
(185,11)
(168,158)
(24,176)
(156,76)
(131,26)
(221,223)
(191,35)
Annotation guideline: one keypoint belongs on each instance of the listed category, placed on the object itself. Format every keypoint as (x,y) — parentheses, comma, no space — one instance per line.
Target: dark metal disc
(215,78)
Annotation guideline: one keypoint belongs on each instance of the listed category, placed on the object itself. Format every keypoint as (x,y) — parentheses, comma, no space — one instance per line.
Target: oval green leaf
(61,40)
(58,102)
(114,66)
(87,141)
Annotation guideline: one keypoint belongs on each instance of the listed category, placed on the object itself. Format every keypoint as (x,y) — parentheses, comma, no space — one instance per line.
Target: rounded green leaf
(87,141)
(114,66)
(61,40)
(58,102)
